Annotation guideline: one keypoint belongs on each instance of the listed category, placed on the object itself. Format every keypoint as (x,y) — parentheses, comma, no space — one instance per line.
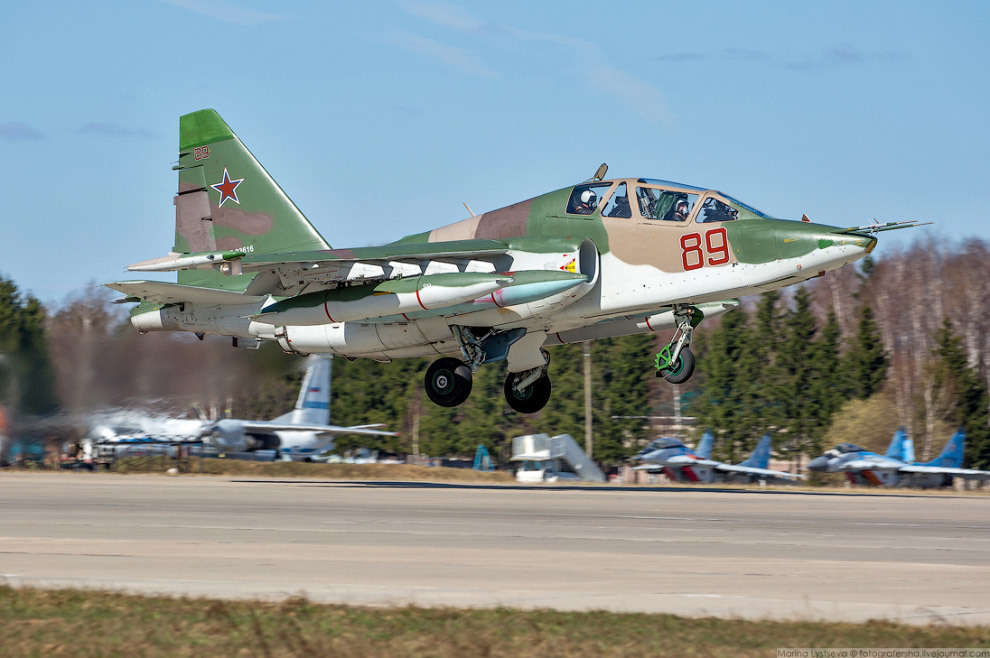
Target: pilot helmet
(589,197)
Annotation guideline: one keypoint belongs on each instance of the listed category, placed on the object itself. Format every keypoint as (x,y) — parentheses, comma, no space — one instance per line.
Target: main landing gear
(449,380)
(675,362)
(529,391)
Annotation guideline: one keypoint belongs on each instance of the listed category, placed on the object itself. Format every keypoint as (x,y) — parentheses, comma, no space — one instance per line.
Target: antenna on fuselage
(468,208)
(600,174)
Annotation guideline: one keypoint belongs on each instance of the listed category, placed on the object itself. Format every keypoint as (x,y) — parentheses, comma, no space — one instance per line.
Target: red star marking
(227,188)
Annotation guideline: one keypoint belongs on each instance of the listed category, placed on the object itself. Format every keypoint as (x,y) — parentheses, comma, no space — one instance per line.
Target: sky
(380,119)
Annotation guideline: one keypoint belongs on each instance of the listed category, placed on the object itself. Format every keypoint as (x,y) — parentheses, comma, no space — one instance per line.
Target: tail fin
(901,447)
(227,201)
(313,404)
(761,454)
(704,447)
(952,454)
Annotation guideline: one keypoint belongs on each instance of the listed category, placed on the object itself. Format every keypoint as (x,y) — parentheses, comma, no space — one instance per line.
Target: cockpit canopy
(665,442)
(844,448)
(648,199)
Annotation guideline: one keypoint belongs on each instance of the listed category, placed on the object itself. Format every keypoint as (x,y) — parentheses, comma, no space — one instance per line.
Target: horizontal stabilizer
(162,292)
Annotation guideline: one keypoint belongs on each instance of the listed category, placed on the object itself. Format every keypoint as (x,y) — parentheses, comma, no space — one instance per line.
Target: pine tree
(795,370)
(970,401)
(867,362)
(722,403)
(27,380)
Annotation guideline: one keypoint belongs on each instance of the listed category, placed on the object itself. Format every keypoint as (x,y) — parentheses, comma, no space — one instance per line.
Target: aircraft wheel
(448,382)
(532,399)
(681,371)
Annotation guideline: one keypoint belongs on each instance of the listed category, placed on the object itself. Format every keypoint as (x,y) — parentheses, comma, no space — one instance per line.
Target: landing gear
(529,391)
(448,382)
(528,399)
(681,371)
(675,362)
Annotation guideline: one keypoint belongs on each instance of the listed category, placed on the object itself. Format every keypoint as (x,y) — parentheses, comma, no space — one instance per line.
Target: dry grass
(238,467)
(37,622)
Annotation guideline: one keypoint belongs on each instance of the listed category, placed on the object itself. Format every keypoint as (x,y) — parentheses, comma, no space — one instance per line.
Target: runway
(914,558)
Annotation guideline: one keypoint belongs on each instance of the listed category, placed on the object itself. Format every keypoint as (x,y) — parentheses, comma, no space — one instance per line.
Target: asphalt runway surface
(788,555)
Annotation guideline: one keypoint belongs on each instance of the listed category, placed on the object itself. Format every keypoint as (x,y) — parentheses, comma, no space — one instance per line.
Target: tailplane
(901,447)
(313,404)
(227,201)
(761,454)
(704,447)
(952,454)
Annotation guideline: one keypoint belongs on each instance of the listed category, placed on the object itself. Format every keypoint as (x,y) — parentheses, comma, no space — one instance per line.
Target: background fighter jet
(600,259)
(897,467)
(297,435)
(681,464)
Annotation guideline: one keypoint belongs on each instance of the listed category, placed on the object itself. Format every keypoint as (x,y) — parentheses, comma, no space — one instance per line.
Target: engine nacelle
(229,436)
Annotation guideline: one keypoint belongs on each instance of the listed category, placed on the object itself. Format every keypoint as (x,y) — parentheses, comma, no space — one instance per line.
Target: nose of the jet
(818,464)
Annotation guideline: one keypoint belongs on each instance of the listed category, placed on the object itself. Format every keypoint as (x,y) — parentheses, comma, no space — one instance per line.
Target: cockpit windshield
(847,447)
(745,206)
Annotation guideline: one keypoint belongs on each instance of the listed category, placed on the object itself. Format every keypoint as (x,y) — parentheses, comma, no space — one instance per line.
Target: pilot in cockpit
(681,211)
(589,201)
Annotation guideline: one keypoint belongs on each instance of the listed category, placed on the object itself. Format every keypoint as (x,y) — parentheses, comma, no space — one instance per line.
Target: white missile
(393,297)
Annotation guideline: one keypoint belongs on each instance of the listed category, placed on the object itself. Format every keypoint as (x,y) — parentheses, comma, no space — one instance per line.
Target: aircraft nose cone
(818,464)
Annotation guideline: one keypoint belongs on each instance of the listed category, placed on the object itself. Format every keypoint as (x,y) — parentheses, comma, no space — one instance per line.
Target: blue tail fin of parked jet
(704,448)
(952,454)
(901,447)
(761,454)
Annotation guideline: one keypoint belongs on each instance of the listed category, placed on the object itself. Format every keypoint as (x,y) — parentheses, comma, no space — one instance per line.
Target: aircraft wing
(162,292)
(957,472)
(769,472)
(429,251)
(274,426)
(320,268)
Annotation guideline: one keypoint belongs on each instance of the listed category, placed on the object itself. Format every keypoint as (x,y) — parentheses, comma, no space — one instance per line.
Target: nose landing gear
(675,362)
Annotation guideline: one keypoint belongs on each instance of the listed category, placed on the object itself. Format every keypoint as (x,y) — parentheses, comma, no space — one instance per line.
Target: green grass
(36,622)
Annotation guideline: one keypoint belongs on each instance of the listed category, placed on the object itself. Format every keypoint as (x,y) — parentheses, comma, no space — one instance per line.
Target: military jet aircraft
(896,467)
(681,464)
(603,258)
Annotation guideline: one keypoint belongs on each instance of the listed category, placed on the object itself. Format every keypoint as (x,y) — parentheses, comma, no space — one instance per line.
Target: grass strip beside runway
(36,622)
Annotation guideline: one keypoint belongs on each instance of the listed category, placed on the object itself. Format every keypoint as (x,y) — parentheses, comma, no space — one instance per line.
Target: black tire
(532,399)
(682,370)
(448,382)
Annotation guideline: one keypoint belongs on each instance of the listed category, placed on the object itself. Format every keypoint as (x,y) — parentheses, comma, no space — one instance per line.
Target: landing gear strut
(529,391)
(675,362)
(448,382)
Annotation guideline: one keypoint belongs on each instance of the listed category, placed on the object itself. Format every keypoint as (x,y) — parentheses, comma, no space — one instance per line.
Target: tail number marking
(201,152)
(693,256)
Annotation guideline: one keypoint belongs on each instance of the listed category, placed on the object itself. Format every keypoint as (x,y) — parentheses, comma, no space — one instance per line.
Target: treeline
(904,340)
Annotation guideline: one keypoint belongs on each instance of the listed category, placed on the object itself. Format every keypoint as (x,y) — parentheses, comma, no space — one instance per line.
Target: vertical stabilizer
(952,454)
(704,447)
(761,454)
(313,403)
(227,201)
(901,447)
